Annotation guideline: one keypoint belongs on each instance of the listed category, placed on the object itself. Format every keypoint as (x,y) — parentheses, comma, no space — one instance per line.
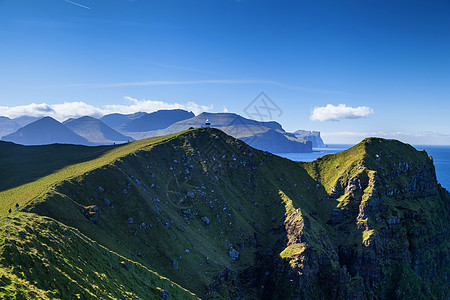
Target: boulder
(107,201)
(234,254)
(165,295)
(175,264)
(124,265)
(91,213)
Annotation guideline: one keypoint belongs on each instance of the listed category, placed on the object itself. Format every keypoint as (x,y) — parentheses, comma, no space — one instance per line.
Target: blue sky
(346,68)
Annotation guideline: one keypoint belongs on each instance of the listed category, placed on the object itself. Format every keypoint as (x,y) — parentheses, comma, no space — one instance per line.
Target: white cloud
(414,138)
(342,111)
(67,110)
(225,109)
(136,105)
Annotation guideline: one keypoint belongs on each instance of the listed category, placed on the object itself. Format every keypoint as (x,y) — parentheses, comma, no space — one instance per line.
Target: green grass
(62,196)
(41,258)
(59,166)
(255,202)
(23,164)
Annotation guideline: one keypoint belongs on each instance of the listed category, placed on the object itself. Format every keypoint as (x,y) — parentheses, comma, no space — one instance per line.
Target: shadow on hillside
(23,164)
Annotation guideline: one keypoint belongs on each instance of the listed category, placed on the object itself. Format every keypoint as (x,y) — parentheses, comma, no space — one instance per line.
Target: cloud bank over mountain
(68,110)
(342,111)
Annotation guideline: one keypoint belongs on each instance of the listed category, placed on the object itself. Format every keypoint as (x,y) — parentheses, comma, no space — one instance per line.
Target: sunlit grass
(24,193)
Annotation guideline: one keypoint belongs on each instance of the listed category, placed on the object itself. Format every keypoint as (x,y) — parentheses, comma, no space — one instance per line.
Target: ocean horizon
(440,154)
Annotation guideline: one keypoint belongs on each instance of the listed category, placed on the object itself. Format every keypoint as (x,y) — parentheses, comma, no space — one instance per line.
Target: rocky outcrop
(396,197)
(91,213)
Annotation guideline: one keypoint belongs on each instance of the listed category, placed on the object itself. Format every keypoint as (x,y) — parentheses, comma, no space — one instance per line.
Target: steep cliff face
(227,221)
(313,136)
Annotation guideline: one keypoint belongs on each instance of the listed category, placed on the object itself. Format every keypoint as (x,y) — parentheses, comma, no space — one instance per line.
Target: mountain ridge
(45,131)
(7,126)
(118,128)
(224,219)
(267,136)
(157,120)
(95,131)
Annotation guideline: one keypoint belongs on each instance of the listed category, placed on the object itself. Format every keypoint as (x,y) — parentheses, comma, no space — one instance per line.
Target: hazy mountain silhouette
(221,120)
(313,136)
(269,136)
(160,119)
(25,120)
(7,126)
(95,131)
(45,131)
(117,120)
(277,142)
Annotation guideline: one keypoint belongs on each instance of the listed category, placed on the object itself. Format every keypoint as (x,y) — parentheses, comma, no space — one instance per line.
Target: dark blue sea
(440,154)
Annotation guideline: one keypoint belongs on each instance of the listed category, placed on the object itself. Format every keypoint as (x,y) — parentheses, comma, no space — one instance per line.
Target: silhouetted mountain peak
(95,131)
(116,120)
(45,131)
(7,126)
(157,120)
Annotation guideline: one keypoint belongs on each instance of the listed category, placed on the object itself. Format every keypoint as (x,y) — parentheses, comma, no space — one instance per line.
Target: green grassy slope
(44,166)
(43,259)
(22,164)
(152,185)
(345,225)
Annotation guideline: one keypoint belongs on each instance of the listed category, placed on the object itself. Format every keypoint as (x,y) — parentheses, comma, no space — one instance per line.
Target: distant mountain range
(45,131)
(118,120)
(269,136)
(95,131)
(155,121)
(120,128)
(8,126)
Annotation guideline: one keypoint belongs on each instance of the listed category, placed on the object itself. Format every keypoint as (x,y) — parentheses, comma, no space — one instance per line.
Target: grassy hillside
(23,164)
(43,259)
(154,186)
(225,220)
(44,166)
